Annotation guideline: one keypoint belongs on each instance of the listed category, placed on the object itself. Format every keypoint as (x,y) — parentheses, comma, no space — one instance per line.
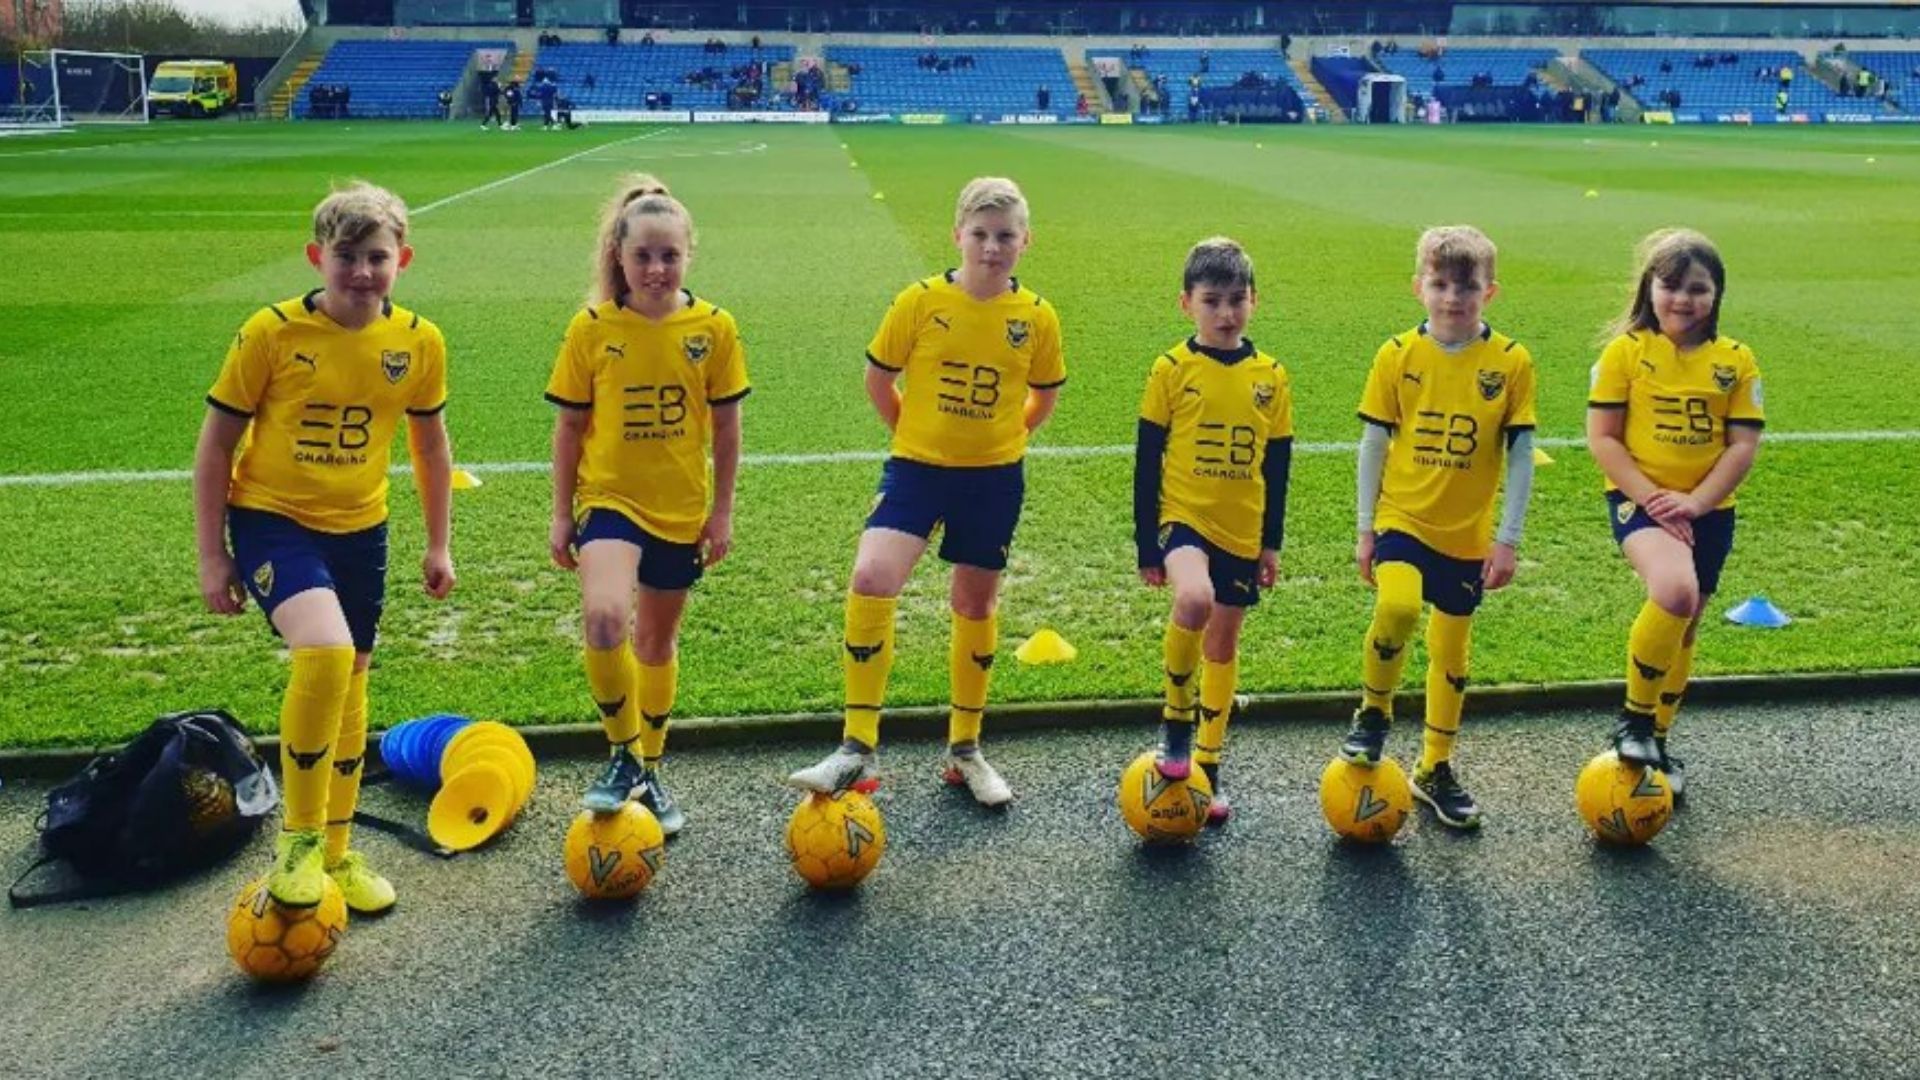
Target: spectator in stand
(1080,107)
(1193,104)
(646,39)
(1042,98)
(613,35)
(446,104)
(1780,101)
(346,93)
(1439,74)
(586,81)
(1206,61)
(1786,76)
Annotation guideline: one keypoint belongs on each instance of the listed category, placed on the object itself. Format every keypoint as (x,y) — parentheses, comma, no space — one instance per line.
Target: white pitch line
(844,457)
(113,146)
(505,180)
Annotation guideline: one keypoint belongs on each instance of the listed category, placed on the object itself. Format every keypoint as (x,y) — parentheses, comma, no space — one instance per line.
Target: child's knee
(1396,615)
(605,625)
(1677,594)
(1192,604)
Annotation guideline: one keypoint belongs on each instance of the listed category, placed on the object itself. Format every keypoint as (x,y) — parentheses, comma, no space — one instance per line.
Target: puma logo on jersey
(616,350)
(1648,671)
(611,709)
(1408,376)
(1386,649)
(863,653)
(941,322)
(312,362)
(1648,364)
(307,761)
(1194,390)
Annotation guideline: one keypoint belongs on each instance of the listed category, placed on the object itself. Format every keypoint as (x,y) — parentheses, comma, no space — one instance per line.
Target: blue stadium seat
(1224,68)
(1001,81)
(624,74)
(1735,85)
(1899,70)
(394,80)
(1508,67)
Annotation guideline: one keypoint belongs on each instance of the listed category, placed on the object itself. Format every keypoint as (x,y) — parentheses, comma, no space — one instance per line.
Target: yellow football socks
(1396,609)
(659,683)
(970,666)
(612,677)
(1651,651)
(1181,653)
(1673,689)
(866,660)
(1448,641)
(349,757)
(309,719)
(1217,683)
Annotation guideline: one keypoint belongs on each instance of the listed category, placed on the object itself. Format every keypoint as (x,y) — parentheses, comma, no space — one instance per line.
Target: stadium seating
(1508,67)
(394,80)
(1727,85)
(1900,71)
(1001,81)
(1224,68)
(624,74)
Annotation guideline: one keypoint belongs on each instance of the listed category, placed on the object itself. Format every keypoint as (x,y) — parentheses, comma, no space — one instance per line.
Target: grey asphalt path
(1768,932)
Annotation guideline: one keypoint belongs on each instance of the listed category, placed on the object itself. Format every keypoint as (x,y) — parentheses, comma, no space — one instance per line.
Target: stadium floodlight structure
(58,87)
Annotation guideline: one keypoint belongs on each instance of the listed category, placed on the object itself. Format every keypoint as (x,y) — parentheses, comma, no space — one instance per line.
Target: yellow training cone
(1541,457)
(880,196)
(464,480)
(1045,647)
(472,806)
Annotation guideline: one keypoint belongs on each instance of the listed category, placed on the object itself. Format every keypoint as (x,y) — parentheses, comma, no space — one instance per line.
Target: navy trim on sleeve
(1046,385)
(435,411)
(1276,470)
(565,404)
(228,409)
(1149,453)
(730,398)
(1606,404)
(1375,421)
(875,361)
(1746,423)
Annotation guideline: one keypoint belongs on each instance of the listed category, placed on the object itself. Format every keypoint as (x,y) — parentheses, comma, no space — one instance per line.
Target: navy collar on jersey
(1013,283)
(386,303)
(1228,357)
(1486,332)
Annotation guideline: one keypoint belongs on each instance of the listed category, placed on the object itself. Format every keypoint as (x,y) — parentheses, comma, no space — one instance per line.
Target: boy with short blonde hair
(1448,411)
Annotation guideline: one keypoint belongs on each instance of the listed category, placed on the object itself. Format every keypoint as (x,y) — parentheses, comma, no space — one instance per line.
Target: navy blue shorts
(977,507)
(1451,585)
(1236,581)
(1712,537)
(279,558)
(663,563)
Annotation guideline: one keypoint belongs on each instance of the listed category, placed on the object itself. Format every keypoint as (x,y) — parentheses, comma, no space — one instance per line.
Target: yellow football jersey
(324,403)
(1450,414)
(1220,411)
(968,365)
(651,388)
(1678,407)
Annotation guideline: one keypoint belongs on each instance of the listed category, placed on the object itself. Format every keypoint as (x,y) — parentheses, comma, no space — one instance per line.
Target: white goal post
(58,87)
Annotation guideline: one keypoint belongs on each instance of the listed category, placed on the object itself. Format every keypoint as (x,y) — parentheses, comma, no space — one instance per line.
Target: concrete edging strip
(927,722)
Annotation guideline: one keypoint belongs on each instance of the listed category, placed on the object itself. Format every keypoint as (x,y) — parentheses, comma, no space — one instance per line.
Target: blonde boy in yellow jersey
(1213,450)
(1448,409)
(980,356)
(292,461)
(1674,420)
(648,378)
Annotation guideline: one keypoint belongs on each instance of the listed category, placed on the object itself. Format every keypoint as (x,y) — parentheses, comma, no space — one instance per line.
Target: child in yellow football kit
(648,377)
(980,355)
(1213,451)
(292,463)
(1448,410)
(1674,420)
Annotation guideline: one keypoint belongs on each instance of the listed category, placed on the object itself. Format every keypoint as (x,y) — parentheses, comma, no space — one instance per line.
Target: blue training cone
(1758,611)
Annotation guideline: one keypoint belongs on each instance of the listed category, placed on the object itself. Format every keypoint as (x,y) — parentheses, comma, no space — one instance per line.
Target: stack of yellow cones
(487,776)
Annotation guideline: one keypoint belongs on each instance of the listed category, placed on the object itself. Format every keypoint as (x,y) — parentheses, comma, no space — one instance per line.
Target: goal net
(57,87)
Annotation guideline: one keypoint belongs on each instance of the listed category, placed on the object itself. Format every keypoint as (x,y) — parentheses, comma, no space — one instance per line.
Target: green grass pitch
(132,256)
